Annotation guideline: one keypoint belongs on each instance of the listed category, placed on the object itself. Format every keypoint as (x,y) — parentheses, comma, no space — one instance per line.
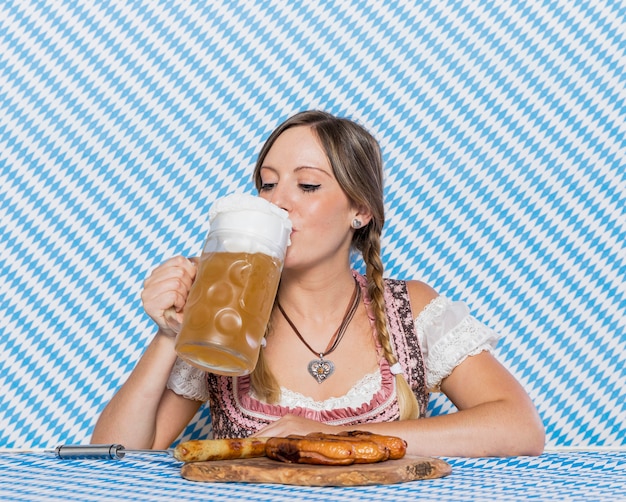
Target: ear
(363,214)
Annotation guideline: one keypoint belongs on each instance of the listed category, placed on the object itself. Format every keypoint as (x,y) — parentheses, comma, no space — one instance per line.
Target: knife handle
(107,451)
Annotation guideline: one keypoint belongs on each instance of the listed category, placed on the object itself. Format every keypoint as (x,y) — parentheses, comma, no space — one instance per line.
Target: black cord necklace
(321,369)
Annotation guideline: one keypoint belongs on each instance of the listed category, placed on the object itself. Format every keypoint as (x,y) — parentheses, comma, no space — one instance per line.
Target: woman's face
(296,176)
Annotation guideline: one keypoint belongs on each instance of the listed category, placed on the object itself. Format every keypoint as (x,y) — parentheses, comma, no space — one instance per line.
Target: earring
(356,223)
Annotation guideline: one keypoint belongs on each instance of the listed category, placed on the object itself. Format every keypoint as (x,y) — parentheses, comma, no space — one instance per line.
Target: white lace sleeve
(188,381)
(448,334)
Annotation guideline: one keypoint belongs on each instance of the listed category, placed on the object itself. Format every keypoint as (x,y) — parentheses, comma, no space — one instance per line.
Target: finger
(171,317)
(179,267)
(164,295)
(175,276)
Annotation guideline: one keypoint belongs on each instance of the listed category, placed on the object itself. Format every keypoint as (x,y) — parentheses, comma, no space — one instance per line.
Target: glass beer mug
(231,299)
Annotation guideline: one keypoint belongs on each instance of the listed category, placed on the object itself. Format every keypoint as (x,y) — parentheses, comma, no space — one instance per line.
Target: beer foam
(252,216)
(244,202)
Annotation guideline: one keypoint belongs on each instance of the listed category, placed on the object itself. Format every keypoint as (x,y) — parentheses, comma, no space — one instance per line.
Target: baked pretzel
(395,445)
(344,448)
(325,449)
(198,450)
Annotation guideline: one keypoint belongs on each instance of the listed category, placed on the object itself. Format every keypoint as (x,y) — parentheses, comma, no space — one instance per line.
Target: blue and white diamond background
(502,125)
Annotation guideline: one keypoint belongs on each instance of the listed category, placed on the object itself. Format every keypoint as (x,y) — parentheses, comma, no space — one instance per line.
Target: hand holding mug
(165,293)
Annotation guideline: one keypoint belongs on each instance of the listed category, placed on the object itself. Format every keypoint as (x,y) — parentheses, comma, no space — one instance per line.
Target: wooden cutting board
(265,470)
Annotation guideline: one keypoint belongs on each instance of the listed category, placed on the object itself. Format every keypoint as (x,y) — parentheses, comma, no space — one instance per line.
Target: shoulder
(420,294)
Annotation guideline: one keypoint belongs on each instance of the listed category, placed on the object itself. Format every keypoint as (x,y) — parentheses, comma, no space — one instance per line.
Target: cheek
(332,211)
(331,226)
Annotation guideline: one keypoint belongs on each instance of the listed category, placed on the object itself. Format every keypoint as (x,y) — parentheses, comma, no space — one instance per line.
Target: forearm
(130,418)
(495,428)
(490,429)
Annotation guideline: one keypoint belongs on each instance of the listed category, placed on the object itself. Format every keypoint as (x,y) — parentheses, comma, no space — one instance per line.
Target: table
(584,475)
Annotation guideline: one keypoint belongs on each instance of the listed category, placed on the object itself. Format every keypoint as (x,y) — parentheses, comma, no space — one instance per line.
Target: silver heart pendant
(321,369)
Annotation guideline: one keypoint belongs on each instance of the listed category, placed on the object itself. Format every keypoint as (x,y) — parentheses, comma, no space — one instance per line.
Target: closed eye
(267,186)
(305,187)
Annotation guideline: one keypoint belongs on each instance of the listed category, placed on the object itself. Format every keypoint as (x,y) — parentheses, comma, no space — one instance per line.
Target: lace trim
(188,381)
(433,311)
(362,392)
(449,335)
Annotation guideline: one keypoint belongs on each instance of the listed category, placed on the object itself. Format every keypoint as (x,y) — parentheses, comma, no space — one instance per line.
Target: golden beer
(227,310)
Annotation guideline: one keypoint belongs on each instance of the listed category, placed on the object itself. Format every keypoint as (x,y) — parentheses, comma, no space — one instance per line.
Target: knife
(106,451)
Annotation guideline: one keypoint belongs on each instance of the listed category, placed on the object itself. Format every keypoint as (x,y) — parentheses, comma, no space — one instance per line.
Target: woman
(342,350)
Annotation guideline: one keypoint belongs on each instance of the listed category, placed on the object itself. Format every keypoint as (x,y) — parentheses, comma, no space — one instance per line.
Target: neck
(315,296)
(336,339)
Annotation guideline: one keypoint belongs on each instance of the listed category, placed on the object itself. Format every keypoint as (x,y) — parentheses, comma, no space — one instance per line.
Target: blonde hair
(356,160)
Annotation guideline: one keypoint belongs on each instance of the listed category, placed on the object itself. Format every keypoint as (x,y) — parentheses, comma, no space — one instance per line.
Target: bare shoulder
(421,294)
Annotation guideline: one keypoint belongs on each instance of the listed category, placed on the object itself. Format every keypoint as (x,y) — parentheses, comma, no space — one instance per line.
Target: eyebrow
(301,168)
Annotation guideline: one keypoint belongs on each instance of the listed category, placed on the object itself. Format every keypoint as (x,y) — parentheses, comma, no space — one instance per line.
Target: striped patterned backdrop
(503,130)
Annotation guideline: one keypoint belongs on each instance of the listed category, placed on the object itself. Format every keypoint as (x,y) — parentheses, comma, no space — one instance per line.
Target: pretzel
(325,449)
(344,448)
(395,445)
(198,450)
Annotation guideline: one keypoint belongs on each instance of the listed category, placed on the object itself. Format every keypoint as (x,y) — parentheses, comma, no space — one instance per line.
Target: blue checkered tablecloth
(504,138)
(584,476)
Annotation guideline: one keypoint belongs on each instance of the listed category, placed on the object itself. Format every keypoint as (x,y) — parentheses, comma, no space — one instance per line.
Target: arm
(143,413)
(495,417)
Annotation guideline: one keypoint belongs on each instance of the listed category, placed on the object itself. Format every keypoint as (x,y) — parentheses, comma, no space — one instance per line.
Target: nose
(280,197)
